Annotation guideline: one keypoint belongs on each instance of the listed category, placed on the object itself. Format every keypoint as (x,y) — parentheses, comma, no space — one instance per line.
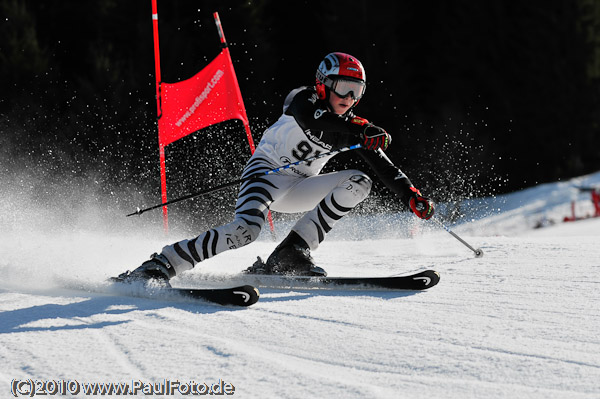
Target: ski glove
(421,206)
(373,137)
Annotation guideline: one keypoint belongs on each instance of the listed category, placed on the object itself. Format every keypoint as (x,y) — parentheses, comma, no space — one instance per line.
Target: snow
(520,322)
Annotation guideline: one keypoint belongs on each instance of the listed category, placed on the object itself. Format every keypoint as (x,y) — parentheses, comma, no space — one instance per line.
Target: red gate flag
(211,96)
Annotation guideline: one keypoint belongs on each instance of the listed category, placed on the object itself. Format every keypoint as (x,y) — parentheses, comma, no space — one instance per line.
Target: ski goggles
(343,87)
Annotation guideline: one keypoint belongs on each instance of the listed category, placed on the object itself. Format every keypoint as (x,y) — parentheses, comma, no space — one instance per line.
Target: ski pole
(478,252)
(239,181)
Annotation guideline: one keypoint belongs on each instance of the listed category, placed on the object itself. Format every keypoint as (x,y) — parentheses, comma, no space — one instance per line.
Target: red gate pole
(161,147)
(241,102)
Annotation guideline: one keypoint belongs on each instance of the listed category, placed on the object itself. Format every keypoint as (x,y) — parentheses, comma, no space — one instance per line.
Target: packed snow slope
(523,321)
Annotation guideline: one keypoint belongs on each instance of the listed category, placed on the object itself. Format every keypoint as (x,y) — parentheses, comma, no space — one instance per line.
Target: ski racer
(315,120)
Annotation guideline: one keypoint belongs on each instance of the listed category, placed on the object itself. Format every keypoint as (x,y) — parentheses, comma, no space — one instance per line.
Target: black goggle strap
(326,80)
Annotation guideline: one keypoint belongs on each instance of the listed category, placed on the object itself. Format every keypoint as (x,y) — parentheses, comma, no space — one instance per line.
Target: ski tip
(247,295)
(428,277)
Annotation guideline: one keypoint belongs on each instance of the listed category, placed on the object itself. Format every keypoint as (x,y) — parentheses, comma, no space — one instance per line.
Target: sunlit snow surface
(521,322)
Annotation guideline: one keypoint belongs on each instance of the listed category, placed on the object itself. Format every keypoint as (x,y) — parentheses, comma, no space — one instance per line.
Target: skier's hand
(372,137)
(421,206)
(375,138)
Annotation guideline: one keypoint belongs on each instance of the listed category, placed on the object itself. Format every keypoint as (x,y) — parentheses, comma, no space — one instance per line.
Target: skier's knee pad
(358,186)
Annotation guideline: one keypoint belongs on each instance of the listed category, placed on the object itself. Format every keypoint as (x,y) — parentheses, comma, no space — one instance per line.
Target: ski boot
(157,270)
(291,257)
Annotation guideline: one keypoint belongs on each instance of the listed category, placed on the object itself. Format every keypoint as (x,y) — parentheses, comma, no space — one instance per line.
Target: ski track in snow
(520,322)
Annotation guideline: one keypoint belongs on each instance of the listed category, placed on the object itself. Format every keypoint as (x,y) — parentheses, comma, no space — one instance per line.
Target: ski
(243,295)
(412,282)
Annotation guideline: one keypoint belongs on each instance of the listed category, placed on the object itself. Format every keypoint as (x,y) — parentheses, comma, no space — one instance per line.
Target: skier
(315,120)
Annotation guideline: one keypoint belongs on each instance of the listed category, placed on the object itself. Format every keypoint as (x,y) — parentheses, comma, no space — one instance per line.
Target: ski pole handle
(239,181)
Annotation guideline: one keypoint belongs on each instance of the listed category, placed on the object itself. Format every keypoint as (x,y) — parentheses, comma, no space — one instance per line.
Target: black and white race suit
(305,129)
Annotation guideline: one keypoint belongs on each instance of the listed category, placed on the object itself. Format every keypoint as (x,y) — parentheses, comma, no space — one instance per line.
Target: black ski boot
(291,257)
(157,269)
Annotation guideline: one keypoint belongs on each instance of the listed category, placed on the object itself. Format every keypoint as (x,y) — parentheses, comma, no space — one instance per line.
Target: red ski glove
(420,205)
(373,137)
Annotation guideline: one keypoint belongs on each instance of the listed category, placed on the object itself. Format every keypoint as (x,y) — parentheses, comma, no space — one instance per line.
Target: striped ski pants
(325,198)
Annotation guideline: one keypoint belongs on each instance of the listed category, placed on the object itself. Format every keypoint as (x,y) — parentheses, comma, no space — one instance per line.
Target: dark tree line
(482,97)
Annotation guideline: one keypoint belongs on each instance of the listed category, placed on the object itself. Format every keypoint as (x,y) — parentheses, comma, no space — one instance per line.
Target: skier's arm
(398,183)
